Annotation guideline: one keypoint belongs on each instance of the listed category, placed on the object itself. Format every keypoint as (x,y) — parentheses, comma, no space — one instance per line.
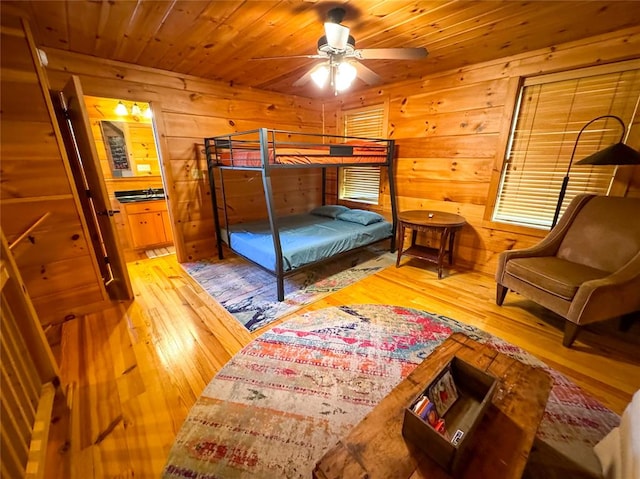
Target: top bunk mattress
(304,238)
(302,156)
(245,149)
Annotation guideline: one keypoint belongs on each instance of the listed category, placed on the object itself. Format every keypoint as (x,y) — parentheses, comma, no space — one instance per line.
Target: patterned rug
(249,293)
(291,394)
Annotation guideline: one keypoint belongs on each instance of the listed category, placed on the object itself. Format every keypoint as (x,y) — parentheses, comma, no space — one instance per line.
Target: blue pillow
(362,217)
(330,211)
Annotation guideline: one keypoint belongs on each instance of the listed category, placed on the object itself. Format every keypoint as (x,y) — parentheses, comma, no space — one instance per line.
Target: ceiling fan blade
(304,79)
(317,55)
(390,53)
(337,35)
(367,75)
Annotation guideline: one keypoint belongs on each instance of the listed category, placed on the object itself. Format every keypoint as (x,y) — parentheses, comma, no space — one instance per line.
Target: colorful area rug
(291,394)
(249,293)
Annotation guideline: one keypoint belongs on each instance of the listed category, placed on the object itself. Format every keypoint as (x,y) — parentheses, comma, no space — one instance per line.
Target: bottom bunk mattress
(305,239)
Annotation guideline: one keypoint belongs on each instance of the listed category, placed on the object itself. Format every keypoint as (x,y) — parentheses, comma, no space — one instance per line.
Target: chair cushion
(605,233)
(553,275)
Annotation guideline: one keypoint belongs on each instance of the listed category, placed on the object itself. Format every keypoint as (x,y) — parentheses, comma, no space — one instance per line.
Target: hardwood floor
(134,370)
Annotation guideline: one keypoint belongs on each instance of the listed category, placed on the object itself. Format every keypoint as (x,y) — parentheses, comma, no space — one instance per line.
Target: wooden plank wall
(451,131)
(186,110)
(55,258)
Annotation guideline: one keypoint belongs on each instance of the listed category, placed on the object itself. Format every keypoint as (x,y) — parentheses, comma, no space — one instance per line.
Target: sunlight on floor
(154,253)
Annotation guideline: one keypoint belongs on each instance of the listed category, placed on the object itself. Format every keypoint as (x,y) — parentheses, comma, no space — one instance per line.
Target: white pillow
(619,451)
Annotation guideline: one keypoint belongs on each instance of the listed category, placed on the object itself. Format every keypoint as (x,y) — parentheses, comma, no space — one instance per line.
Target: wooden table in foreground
(447,224)
(375,448)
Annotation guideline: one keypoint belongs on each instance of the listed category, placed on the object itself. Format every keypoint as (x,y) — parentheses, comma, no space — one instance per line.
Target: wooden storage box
(475,389)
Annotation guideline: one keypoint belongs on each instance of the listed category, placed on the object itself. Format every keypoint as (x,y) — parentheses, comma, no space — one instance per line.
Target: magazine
(443,392)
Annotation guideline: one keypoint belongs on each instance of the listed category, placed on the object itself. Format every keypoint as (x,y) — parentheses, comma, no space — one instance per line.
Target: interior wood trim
(40,437)
(510,228)
(164,159)
(386,105)
(10,31)
(81,64)
(583,72)
(36,199)
(515,83)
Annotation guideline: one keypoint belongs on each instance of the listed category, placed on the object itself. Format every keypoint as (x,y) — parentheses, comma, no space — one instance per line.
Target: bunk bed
(284,245)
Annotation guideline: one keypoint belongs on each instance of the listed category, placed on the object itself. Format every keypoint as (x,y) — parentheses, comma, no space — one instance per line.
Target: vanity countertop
(137,196)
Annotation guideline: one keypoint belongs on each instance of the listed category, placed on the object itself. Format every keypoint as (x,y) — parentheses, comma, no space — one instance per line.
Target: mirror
(115,142)
(125,142)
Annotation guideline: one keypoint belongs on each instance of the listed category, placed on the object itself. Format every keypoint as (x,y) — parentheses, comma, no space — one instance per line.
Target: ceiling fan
(341,66)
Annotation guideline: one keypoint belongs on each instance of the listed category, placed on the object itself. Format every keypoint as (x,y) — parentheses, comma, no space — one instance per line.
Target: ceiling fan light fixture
(320,75)
(325,49)
(337,35)
(345,74)
(340,66)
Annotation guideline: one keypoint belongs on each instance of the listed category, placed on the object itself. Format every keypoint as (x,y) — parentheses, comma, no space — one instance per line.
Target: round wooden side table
(447,224)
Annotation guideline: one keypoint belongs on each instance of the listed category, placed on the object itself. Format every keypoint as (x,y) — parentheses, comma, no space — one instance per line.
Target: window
(551,111)
(362,183)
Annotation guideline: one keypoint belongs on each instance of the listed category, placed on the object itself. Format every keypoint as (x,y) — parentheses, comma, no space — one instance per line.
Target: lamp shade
(345,74)
(320,75)
(337,35)
(121,109)
(618,154)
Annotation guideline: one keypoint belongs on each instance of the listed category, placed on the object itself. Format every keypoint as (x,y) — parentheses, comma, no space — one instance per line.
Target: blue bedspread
(305,238)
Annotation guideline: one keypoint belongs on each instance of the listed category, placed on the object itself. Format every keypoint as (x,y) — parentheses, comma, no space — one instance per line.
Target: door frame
(160,137)
(98,89)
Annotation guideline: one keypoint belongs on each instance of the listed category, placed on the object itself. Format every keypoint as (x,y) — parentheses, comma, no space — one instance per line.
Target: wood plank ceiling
(219,40)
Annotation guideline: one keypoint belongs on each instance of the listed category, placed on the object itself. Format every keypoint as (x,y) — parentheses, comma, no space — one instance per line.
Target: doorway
(94,152)
(129,158)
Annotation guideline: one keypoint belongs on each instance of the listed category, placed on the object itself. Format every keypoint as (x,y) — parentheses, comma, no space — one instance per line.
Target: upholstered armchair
(587,269)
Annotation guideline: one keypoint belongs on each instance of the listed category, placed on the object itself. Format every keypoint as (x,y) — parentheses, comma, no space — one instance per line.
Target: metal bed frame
(267,139)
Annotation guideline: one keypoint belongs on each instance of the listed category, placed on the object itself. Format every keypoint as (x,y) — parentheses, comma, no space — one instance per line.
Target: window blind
(362,183)
(546,126)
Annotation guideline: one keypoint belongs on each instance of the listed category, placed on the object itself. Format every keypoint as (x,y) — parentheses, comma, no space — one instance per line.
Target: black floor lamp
(618,154)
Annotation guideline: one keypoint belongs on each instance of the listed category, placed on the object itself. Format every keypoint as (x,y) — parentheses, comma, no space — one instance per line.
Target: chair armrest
(551,243)
(608,297)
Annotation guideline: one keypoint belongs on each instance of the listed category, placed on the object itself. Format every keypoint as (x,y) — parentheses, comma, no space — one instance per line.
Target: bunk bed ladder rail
(211,155)
(392,192)
(273,218)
